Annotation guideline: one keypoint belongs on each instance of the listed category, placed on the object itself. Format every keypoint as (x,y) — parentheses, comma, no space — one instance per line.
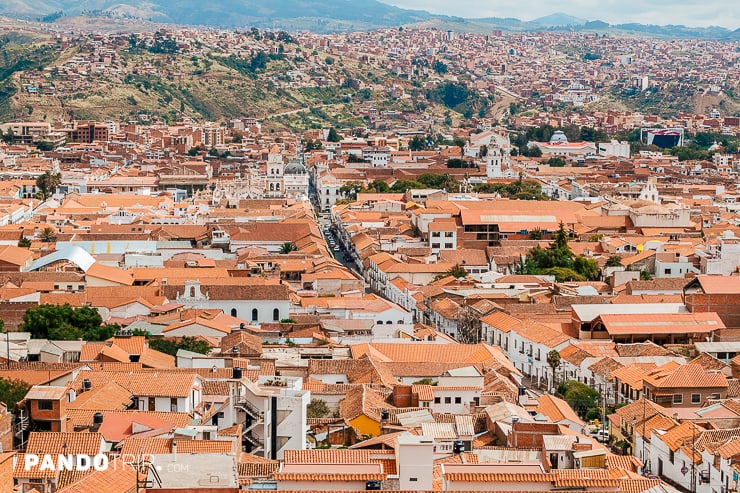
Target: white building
(614,148)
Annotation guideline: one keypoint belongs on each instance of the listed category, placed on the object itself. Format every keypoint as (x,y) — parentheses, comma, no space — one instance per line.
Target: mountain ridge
(321,16)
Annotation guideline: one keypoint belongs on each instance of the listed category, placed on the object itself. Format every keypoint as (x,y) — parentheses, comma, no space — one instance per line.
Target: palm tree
(48,235)
(553,359)
(287,247)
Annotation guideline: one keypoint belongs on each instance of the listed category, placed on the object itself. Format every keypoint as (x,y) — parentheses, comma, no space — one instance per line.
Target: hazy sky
(694,13)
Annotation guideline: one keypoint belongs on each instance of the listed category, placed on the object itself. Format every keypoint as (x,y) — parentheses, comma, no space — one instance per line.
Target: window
(233,312)
(173,404)
(677,399)
(254,315)
(721,355)
(435,245)
(458,400)
(276,315)
(448,245)
(437,400)
(413,479)
(696,398)
(448,400)
(435,234)
(671,456)
(46,405)
(668,271)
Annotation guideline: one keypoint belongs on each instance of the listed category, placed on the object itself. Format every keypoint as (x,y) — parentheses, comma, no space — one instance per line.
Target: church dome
(295,168)
(558,138)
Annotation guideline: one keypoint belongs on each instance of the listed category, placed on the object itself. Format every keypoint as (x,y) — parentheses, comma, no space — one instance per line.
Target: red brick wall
(12,314)
(727,306)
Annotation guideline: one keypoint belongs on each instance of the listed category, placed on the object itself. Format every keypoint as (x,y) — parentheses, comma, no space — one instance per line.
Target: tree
(417,143)
(645,275)
(553,359)
(166,346)
(614,261)
(333,135)
(556,162)
(580,397)
(287,247)
(194,345)
(47,183)
(535,234)
(457,271)
(402,186)
(48,235)
(439,66)
(63,322)
(379,186)
(170,346)
(317,408)
(587,267)
(13,391)
(24,242)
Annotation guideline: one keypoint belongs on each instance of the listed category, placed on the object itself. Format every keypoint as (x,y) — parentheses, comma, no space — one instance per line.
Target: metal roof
(74,254)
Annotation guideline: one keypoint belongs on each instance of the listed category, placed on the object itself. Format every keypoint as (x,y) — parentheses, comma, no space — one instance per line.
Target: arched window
(380,322)
(254,315)
(192,291)
(276,315)
(400,321)
(233,312)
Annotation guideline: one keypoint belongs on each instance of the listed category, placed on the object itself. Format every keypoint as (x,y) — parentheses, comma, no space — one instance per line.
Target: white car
(600,435)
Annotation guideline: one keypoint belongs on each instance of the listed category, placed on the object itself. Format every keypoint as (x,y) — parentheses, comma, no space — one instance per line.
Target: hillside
(227,13)
(143,82)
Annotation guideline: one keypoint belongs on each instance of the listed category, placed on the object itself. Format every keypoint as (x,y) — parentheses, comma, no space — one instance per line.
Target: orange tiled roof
(150,445)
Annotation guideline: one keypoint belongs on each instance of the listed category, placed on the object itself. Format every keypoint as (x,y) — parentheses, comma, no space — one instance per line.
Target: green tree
(457,271)
(645,275)
(48,235)
(614,261)
(439,66)
(580,397)
(194,345)
(170,346)
(317,408)
(13,391)
(24,242)
(403,186)
(351,189)
(379,186)
(63,322)
(417,143)
(167,346)
(287,247)
(535,234)
(333,135)
(553,360)
(47,183)
(556,162)
(587,267)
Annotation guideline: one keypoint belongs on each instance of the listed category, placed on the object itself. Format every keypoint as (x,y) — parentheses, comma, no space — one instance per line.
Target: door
(554,461)
(660,466)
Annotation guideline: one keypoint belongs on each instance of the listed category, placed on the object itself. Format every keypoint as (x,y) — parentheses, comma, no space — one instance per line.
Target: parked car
(600,435)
